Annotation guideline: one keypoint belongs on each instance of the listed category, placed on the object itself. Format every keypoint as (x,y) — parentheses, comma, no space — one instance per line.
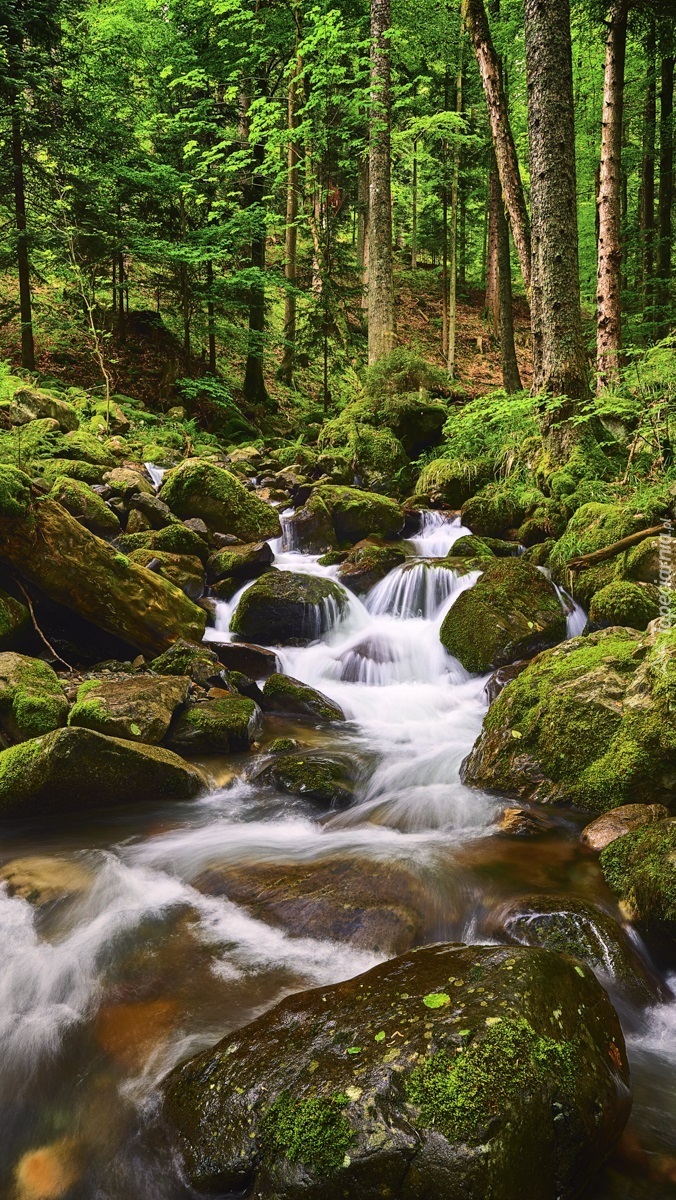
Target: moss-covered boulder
(640,868)
(310,528)
(229,569)
(643,563)
(589,723)
(139,708)
(454,1071)
(86,506)
(625,603)
(74,770)
(472,547)
(15,622)
(499,507)
(198,488)
(287,695)
(220,726)
(184,571)
(593,527)
(195,660)
(172,539)
(356,514)
(283,608)
(370,561)
(453,481)
(32,701)
(603,830)
(315,777)
(380,906)
(52,469)
(80,571)
(512,612)
(377,458)
(127,482)
(30,404)
(84,446)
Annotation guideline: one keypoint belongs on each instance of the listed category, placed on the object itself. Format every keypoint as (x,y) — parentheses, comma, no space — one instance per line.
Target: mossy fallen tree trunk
(50,549)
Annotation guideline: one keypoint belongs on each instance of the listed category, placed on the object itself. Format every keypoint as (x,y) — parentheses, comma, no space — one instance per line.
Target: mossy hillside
(511,612)
(31,697)
(593,527)
(640,867)
(200,489)
(511,1067)
(283,608)
(356,514)
(625,603)
(221,726)
(588,723)
(86,506)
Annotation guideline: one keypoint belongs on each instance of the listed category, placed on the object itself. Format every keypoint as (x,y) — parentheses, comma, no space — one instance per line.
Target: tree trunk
(293,157)
(510,368)
(648,174)
(559,353)
(255,391)
(453,268)
(23,264)
(381,287)
(414,209)
(114,289)
(492,301)
(363,229)
(121,319)
(211,314)
(444,267)
(609,257)
(503,141)
(666,192)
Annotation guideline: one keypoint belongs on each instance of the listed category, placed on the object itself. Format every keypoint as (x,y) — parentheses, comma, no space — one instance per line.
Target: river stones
(185,571)
(195,659)
(315,777)
(31,698)
(229,568)
(287,695)
(512,612)
(77,569)
(356,514)
(618,821)
(255,661)
(310,528)
(139,708)
(284,608)
(221,726)
(198,488)
(370,561)
(71,770)
(454,1071)
(86,506)
(589,723)
(43,880)
(640,867)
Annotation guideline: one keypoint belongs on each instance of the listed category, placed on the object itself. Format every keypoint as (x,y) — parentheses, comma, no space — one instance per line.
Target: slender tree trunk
(254,388)
(666,192)
(211,315)
(462,259)
(121,319)
(503,141)
(453,269)
(414,209)
(510,368)
(444,270)
(23,264)
(609,257)
(381,286)
(185,287)
(363,230)
(492,301)
(648,173)
(114,290)
(290,264)
(559,357)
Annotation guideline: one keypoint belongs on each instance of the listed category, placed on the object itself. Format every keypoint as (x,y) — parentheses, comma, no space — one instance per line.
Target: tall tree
(647,191)
(381,285)
(560,366)
(609,260)
(666,192)
(292,182)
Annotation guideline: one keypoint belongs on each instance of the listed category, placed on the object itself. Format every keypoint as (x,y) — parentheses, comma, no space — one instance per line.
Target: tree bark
(666,192)
(492,300)
(363,229)
(211,314)
(453,268)
(23,264)
(255,391)
(510,368)
(414,209)
(290,262)
(121,319)
(648,173)
(503,141)
(559,353)
(381,287)
(609,256)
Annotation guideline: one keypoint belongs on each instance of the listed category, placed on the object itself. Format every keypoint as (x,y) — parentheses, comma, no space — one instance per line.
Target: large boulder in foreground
(31,698)
(356,514)
(512,612)
(200,489)
(589,723)
(640,868)
(71,770)
(284,608)
(69,564)
(454,1071)
(139,708)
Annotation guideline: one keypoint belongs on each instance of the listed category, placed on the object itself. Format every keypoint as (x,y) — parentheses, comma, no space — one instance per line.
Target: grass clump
(314,1132)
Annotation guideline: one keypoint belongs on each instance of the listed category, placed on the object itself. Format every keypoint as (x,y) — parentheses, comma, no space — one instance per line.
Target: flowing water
(101,993)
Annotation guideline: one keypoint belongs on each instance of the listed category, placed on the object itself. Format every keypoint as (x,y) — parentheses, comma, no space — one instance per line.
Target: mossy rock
(370,561)
(511,1080)
(472,546)
(282,745)
(643,563)
(640,868)
(620,603)
(379,906)
(501,506)
(15,622)
(617,821)
(29,404)
(172,539)
(86,447)
(593,527)
(57,468)
(139,709)
(512,612)
(126,482)
(453,481)
(31,698)
(86,506)
(229,569)
(333,558)
(310,528)
(326,781)
(589,723)
(287,695)
(547,521)
(376,455)
(184,571)
(15,492)
(283,608)
(200,489)
(221,726)
(75,770)
(192,659)
(356,514)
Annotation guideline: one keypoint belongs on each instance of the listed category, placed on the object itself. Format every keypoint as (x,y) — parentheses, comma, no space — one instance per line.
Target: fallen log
(597,556)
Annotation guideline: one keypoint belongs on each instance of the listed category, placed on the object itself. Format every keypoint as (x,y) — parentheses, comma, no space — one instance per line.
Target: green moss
(192,659)
(15,493)
(53,469)
(625,603)
(173,539)
(292,696)
(640,867)
(86,506)
(501,506)
(200,489)
(357,514)
(282,745)
(220,726)
(84,446)
(473,546)
(461,1095)
(315,778)
(314,1132)
(593,527)
(31,698)
(453,481)
(333,558)
(282,607)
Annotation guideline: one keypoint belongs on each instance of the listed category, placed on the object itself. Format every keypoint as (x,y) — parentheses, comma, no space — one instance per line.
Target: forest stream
(103,993)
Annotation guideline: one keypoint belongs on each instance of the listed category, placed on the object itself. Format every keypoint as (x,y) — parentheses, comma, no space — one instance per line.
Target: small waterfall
(156,474)
(576,617)
(414,590)
(437,534)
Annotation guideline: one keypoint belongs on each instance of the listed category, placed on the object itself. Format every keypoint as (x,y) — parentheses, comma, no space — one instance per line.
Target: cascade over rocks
(510,1080)
(370,561)
(285,608)
(589,723)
